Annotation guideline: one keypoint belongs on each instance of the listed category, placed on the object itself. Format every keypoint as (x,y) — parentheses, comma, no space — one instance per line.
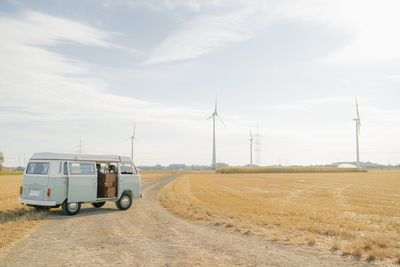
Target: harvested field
(149,235)
(15,220)
(286,170)
(148,175)
(351,214)
(11,173)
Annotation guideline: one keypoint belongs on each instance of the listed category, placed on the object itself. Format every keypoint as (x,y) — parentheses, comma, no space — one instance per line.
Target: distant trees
(222,165)
(1,160)
(177,166)
(20,169)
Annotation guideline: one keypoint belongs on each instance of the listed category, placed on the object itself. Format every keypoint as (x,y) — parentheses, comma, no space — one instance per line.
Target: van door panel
(82,187)
(129,182)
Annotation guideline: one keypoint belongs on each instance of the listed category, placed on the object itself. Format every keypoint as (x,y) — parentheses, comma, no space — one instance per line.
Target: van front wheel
(71,208)
(124,202)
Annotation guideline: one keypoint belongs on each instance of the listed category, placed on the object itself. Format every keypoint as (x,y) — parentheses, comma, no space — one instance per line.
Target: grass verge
(15,220)
(11,173)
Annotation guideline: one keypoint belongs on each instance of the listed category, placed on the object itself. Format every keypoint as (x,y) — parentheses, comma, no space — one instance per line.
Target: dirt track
(149,235)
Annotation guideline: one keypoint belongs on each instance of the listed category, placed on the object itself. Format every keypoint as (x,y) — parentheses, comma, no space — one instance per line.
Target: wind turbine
(133,138)
(213,116)
(251,149)
(358,125)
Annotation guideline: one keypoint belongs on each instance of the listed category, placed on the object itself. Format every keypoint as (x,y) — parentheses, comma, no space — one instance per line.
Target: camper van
(52,180)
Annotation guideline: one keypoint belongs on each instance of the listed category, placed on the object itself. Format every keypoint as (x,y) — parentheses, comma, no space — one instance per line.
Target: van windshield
(38,168)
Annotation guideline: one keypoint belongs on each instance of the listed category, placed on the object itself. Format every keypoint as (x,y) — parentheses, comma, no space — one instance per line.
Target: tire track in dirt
(148,235)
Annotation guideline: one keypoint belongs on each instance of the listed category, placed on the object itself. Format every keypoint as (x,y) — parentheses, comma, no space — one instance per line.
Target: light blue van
(52,180)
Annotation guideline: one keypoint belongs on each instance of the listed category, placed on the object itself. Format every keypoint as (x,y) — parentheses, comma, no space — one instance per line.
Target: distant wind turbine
(213,116)
(133,138)
(251,149)
(358,125)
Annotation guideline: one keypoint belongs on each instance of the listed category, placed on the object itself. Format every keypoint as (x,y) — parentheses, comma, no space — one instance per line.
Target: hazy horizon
(87,70)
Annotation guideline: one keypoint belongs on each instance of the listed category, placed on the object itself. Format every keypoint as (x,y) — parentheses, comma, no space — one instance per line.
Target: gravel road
(148,235)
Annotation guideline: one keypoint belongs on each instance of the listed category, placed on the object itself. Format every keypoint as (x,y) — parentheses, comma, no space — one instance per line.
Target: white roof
(63,156)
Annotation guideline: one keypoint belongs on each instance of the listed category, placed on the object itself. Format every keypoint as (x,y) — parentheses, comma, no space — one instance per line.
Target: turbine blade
(215,104)
(220,120)
(210,116)
(134,129)
(251,135)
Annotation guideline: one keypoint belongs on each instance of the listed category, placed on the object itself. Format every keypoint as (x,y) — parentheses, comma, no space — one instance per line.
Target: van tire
(124,202)
(68,208)
(98,204)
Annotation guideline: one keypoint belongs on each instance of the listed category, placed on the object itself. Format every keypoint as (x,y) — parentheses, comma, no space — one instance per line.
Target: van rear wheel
(124,202)
(98,204)
(71,208)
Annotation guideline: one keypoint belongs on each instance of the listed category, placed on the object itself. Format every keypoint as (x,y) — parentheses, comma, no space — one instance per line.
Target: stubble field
(17,220)
(352,214)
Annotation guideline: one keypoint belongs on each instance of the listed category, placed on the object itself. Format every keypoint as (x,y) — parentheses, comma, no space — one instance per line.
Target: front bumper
(37,202)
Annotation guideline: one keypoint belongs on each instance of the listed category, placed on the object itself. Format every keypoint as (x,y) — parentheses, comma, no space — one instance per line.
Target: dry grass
(355,214)
(15,220)
(148,175)
(11,173)
(286,170)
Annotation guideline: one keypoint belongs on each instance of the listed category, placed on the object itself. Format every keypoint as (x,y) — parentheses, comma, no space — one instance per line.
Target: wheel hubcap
(125,201)
(72,206)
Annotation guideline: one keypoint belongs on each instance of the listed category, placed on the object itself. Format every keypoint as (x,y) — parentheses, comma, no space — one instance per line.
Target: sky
(287,70)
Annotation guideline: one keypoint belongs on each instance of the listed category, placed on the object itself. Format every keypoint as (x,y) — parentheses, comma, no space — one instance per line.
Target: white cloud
(158,5)
(393,77)
(37,28)
(52,86)
(371,27)
(202,35)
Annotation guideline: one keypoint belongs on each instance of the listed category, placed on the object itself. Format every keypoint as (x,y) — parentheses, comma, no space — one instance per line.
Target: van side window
(65,168)
(126,168)
(77,168)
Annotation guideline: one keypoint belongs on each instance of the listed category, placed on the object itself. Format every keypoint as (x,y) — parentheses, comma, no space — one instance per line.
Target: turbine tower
(251,149)
(358,125)
(213,116)
(133,138)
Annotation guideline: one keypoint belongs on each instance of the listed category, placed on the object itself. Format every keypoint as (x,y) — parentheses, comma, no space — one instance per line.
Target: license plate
(34,193)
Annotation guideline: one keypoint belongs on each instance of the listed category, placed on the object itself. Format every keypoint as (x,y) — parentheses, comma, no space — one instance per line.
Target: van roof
(64,156)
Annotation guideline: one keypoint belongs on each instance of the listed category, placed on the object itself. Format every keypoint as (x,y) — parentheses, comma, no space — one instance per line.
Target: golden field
(15,220)
(148,175)
(356,214)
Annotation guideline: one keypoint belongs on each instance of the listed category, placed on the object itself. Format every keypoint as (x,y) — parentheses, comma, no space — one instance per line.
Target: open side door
(82,181)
